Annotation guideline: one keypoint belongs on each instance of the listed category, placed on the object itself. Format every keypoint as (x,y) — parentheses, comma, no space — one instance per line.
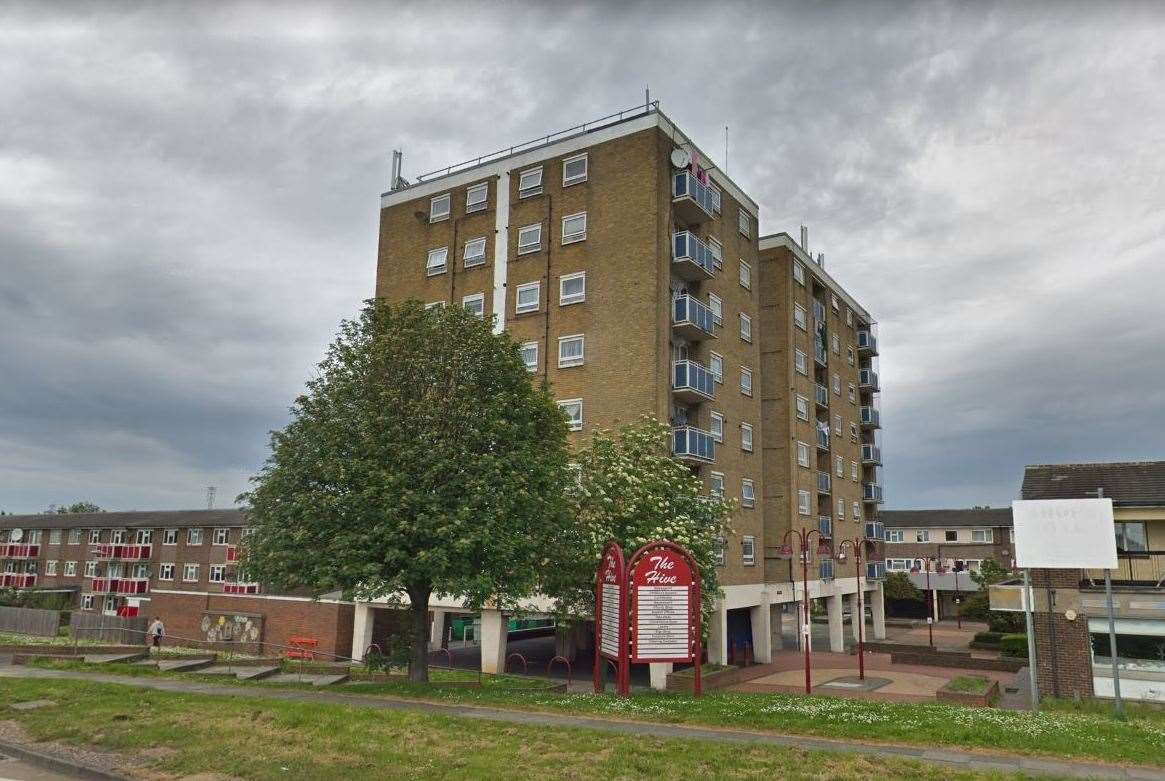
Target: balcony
(825,526)
(692,319)
(692,199)
(692,382)
(823,482)
(119,585)
(691,259)
(819,312)
(872,492)
(868,380)
(693,444)
(871,418)
(822,439)
(820,354)
(867,344)
(821,394)
(872,454)
(119,552)
(17,580)
(875,570)
(240,588)
(18,551)
(875,531)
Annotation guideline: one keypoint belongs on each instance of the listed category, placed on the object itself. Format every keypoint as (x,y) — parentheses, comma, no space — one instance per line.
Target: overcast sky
(189,197)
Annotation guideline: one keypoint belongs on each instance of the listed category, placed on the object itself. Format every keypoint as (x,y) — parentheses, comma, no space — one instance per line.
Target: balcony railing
(825,526)
(232,554)
(871,418)
(240,588)
(820,354)
(872,492)
(875,530)
(867,343)
(868,380)
(818,311)
(14,550)
(692,319)
(823,482)
(119,585)
(821,394)
(109,550)
(693,200)
(692,382)
(822,439)
(691,258)
(871,454)
(18,580)
(693,444)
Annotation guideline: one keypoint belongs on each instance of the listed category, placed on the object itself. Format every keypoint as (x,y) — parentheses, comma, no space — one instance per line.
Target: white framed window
(717,307)
(746,437)
(718,552)
(74,536)
(744,222)
(716,484)
(70,569)
(50,567)
(570,351)
(803,454)
(800,317)
(144,536)
(170,537)
(436,261)
(529,352)
(434,305)
(574,228)
(800,362)
(574,169)
(716,198)
(839,465)
(55,537)
(572,288)
(474,252)
(194,536)
(716,250)
(716,366)
(745,275)
(894,535)
(837,424)
(94,536)
(166,571)
(849,355)
(746,380)
(836,345)
(853,394)
(190,573)
(748,551)
(837,385)
(841,509)
(745,327)
(857,511)
(474,303)
(528,297)
(717,427)
(530,182)
(802,408)
(982,535)
(217,573)
(849,317)
(118,537)
(439,208)
(530,238)
(141,570)
(747,493)
(798,272)
(90,569)
(476,197)
(853,471)
(573,408)
(803,502)
(921,535)
(853,431)
(221,536)
(833,302)
(33,536)
(87,602)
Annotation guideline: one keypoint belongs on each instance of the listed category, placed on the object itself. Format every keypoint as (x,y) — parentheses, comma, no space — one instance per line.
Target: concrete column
(877,612)
(762,633)
(718,634)
(833,605)
(361,630)
(855,612)
(437,630)
(658,672)
(493,641)
(776,627)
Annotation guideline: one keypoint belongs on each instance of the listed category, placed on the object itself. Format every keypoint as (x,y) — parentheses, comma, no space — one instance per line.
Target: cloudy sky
(189,194)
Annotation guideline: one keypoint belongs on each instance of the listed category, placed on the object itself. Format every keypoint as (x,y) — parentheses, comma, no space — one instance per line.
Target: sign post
(611,618)
(664,582)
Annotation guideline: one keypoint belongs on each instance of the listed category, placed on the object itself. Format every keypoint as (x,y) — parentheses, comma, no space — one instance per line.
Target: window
(1130,537)
(530,238)
(528,297)
(951,535)
(748,551)
(716,250)
(921,535)
(717,307)
(94,536)
(800,317)
(245,533)
(141,570)
(857,511)
(802,408)
(716,365)
(55,537)
(800,362)
(434,305)
(798,272)
(837,424)
(530,182)
(853,394)
(118,537)
(716,197)
(841,509)
(190,572)
(574,228)
(194,537)
(166,571)
(570,351)
(803,502)
(717,427)
(745,275)
(474,304)
(893,535)
(802,455)
(529,351)
(837,386)
(839,464)
(439,208)
(222,536)
(833,301)
(435,264)
(747,493)
(70,569)
(74,536)
(170,537)
(50,567)
(745,327)
(476,197)
(746,380)
(982,535)
(746,437)
(217,573)
(717,484)
(572,288)
(87,602)
(849,317)
(718,552)
(474,252)
(90,569)
(849,355)
(574,169)
(853,431)
(853,471)
(144,536)
(744,222)
(574,413)
(836,345)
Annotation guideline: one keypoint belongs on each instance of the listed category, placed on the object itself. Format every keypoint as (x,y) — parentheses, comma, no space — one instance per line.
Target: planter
(984,699)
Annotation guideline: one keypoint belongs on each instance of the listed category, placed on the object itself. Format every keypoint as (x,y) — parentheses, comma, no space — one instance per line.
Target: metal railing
(872,492)
(823,482)
(822,439)
(825,525)
(686,246)
(685,184)
(688,310)
(867,342)
(870,417)
(14,550)
(868,379)
(821,394)
(871,454)
(689,442)
(693,376)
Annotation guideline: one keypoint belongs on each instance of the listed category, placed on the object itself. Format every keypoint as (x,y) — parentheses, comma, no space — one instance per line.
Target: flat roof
(136,519)
(783,239)
(979,518)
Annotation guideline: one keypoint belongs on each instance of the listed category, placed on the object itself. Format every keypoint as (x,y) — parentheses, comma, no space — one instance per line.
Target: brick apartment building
(631,271)
(181,565)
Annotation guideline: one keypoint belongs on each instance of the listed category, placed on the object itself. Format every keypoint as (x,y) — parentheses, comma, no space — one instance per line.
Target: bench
(301,648)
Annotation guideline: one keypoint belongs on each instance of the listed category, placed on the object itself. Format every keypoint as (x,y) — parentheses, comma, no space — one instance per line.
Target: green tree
(77,507)
(420,461)
(630,488)
(897,586)
(977,606)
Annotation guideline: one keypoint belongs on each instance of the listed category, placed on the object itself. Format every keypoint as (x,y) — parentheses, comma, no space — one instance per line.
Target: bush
(1005,622)
(1014,646)
(990,638)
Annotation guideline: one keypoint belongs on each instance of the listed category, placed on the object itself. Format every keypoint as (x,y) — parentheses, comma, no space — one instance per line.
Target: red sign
(665,606)
(611,617)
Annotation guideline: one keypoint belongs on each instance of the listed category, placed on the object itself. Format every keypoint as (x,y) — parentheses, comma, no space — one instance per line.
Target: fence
(98,627)
(29,621)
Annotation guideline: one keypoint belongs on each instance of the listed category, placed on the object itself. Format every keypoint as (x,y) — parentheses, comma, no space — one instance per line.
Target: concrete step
(184,665)
(111,658)
(255,673)
(315,679)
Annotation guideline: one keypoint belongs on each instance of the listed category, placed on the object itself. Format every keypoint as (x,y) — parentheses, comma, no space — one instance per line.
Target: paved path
(968,760)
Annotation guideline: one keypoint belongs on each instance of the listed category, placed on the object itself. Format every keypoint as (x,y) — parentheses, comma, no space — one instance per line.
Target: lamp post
(856,545)
(929,604)
(958,597)
(803,537)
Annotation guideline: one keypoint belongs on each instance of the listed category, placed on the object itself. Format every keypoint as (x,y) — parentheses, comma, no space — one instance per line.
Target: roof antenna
(210,492)
(647,96)
(726,149)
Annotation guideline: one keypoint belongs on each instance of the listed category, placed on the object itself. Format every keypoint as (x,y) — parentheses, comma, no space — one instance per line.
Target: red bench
(301,648)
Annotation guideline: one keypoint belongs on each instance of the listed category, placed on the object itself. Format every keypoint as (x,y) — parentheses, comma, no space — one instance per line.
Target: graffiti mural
(243,631)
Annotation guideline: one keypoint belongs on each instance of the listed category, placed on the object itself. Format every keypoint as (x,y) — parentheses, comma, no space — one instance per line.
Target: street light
(929,604)
(856,544)
(803,537)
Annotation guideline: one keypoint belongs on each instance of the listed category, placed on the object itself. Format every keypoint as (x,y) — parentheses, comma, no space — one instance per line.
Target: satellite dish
(680,158)
(16,535)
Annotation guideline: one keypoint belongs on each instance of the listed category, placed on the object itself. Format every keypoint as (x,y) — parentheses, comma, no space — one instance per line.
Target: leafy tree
(897,586)
(78,507)
(633,490)
(420,461)
(977,606)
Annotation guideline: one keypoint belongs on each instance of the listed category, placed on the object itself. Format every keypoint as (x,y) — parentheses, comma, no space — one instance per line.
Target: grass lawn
(1057,731)
(969,684)
(259,739)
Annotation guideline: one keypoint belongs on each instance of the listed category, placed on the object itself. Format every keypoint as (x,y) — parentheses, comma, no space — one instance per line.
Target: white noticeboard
(662,623)
(609,644)
(1064,534)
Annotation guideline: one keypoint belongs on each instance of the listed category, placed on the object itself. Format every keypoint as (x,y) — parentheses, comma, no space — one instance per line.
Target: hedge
(990,638)
(1013,645)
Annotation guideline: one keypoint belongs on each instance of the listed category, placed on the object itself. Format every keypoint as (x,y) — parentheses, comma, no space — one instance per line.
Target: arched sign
(611,617)
(665,606)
